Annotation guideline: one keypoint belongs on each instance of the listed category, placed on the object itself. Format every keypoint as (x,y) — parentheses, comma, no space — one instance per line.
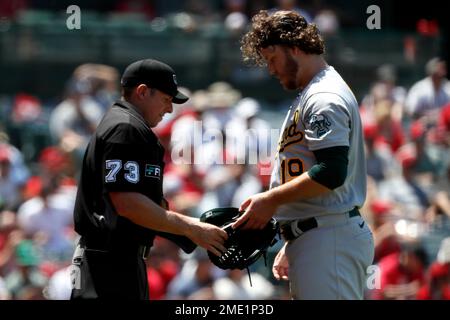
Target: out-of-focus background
(56,83)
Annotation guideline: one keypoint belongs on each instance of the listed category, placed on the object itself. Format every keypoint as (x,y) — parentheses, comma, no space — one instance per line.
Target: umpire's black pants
(113,274)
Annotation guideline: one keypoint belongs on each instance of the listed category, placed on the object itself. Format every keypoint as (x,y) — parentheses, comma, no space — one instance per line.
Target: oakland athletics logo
(320,124)
(290,134)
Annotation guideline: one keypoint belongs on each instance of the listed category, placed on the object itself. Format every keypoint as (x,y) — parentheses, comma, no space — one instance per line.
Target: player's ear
(295,51)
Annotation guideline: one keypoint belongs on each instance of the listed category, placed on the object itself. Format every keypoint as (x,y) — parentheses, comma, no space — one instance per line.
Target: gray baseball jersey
(325,114)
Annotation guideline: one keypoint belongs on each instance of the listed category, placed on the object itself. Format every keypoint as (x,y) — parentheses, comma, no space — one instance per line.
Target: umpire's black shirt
(124,155)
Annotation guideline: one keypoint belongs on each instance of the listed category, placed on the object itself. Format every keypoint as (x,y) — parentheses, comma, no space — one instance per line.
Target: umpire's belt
(141,250)
(293,229)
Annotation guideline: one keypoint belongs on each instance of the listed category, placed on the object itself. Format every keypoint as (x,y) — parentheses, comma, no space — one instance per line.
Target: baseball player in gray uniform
(319,176)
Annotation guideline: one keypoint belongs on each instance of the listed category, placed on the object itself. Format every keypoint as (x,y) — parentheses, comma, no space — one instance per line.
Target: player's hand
(280,267)
(208,236)
(259,209)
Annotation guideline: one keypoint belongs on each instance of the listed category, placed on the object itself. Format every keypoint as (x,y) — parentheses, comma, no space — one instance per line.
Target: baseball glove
(244,247)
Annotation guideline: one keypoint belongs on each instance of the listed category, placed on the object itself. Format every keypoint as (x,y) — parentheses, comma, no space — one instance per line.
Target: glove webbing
(234,257)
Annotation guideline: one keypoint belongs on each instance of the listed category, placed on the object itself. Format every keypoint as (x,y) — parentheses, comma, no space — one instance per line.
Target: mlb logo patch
(152,171)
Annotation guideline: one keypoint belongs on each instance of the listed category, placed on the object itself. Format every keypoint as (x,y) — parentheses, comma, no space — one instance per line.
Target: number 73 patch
(130,171)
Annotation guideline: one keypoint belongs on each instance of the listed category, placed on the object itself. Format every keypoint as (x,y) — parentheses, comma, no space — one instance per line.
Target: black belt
(308,224)
(142,250)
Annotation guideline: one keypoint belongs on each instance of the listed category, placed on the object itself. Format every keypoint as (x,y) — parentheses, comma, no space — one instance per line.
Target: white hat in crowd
(247,107)
(444,251)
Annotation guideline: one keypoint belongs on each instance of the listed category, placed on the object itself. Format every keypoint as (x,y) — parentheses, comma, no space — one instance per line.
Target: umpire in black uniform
(119,206)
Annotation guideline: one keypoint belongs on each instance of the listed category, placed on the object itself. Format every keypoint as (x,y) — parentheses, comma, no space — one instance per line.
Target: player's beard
(290,71)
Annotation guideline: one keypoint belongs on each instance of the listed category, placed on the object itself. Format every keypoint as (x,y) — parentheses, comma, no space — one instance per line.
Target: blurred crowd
(407,133)
(188,15)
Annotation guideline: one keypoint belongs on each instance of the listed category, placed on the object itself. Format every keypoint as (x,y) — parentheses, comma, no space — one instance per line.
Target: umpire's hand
(207,236)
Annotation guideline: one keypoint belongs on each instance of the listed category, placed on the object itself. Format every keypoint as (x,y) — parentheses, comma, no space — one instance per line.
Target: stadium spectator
(4,293)
(327,21)
(437,286)
(380,161)
(74,120)
(427,168)
(197,273)
(59,286)
(403,190)
(236,286)
(49,216)
(385,88)
(236,19)
(402,274)
(385,237)
(103,82)
(162,267)
(444,126)
(13,175)
(247,134)
(292,5)
(427,96)
(26,282)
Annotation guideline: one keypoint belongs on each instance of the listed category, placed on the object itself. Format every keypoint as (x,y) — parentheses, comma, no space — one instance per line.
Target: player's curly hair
(284,28)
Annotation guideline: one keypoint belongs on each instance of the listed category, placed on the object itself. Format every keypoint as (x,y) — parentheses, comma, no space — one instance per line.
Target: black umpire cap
(155,74)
